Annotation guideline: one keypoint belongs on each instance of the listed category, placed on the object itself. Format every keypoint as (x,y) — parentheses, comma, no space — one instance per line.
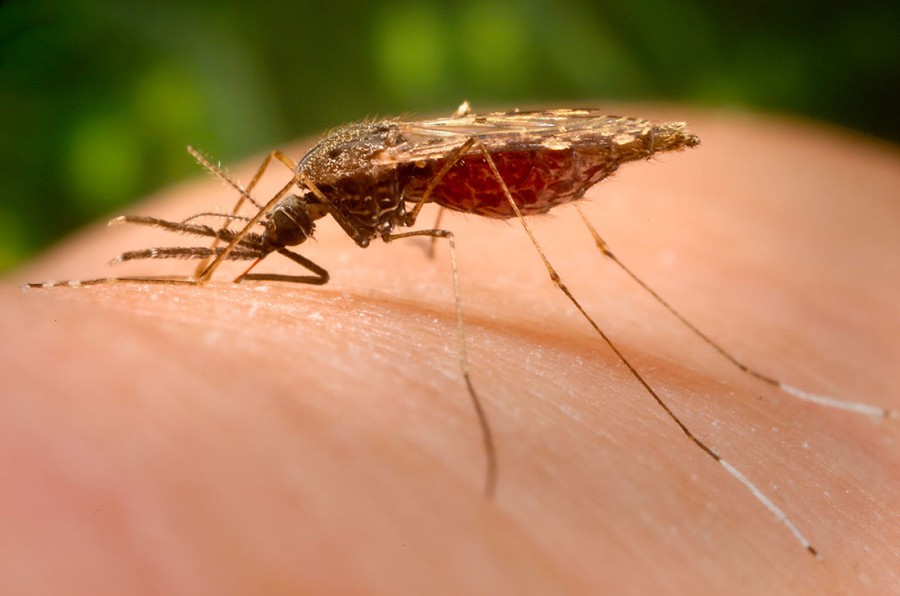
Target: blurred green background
(98,99)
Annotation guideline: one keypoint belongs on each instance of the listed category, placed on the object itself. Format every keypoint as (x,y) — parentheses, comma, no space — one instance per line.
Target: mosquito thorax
(347,152)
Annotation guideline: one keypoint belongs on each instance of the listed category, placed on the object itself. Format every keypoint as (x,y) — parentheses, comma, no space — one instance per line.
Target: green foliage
(99,99)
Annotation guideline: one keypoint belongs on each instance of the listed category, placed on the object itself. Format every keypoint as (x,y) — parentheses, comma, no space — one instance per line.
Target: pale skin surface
(269,437)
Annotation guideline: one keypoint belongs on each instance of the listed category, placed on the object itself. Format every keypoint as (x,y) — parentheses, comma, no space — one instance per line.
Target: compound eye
(288,227)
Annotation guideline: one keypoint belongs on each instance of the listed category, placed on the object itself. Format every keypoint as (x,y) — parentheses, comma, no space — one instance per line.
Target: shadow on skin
(265,436)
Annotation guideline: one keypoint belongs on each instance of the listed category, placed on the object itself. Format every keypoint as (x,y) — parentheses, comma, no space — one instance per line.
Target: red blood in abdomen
(537,179)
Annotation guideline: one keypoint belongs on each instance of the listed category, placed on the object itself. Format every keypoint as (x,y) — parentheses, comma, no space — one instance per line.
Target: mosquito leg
(168,281)
(241,245)
(737,474)
(437,224)
(244,193)
(430,250)
(198,252)
(461,111)
(822,400)
(177,252)
(436,179)
(205,275)
(490,483)
(320,278)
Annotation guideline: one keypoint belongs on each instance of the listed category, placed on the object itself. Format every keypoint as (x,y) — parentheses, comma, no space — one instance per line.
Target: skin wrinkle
(360,507)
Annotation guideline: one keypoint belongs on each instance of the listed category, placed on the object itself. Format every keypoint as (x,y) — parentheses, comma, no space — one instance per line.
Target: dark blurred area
(99,98)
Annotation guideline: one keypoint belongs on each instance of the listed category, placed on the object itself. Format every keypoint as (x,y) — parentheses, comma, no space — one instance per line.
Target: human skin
(268,437)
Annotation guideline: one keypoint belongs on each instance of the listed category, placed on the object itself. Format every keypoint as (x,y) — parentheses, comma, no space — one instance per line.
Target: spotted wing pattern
(546,158)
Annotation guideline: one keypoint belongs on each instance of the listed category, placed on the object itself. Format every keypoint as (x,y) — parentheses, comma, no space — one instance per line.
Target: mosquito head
(292,220)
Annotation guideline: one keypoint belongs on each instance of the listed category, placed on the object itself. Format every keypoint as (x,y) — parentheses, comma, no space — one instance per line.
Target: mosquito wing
(547,130)
(545,158)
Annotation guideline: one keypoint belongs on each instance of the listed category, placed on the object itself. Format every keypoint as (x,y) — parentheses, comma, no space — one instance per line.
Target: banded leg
(554,276)
(177,252)
(245,195)
(822,400)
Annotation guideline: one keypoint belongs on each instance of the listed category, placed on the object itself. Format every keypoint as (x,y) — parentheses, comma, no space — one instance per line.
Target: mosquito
(374,177)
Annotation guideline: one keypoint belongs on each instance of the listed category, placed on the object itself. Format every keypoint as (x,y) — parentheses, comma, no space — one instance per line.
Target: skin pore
(270,437)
